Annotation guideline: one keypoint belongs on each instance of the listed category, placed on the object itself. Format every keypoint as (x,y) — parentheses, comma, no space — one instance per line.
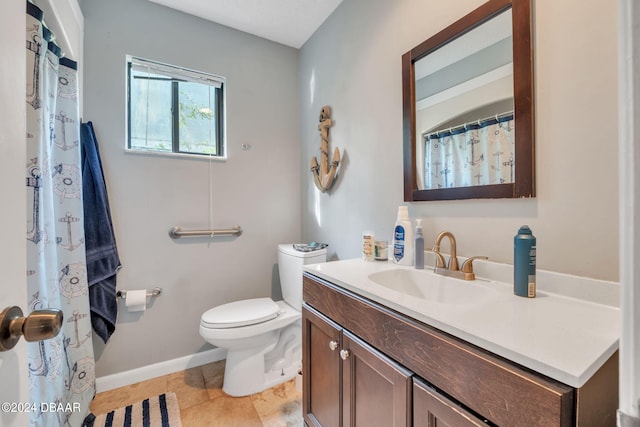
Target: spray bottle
(524,263)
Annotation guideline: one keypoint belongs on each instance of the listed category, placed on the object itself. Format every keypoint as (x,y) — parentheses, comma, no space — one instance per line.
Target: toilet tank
(290,264)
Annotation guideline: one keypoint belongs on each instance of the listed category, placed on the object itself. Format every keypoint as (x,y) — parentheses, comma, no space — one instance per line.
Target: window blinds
(178,73)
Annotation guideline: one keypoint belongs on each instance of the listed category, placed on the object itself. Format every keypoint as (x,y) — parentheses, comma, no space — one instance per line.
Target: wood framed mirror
(447,92)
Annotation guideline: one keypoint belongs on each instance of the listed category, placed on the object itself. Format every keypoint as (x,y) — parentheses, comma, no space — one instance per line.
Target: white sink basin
(429,286)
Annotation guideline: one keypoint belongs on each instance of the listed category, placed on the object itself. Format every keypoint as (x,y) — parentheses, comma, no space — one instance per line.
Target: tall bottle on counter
(524,263)
(403,238)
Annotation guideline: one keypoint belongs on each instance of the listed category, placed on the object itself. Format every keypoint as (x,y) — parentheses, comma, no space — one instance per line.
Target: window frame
(176,75)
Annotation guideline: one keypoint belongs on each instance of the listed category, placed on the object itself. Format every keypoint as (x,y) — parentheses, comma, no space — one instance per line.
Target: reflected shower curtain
(478,154)
(61,370)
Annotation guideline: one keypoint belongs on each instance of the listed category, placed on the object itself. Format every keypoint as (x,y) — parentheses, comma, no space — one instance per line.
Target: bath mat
(157,411)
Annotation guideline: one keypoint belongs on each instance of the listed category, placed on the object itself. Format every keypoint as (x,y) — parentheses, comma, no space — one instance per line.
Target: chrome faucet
(465,273)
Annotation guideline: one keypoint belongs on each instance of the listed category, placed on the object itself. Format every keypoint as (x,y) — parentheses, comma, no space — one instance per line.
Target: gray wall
(258,189)
(275,93)
(352,63)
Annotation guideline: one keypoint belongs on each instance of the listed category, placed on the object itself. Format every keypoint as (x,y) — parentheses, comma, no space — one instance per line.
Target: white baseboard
(144,373)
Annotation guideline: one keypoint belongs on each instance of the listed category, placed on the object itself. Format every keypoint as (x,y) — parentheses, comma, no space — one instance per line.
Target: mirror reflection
(464,110)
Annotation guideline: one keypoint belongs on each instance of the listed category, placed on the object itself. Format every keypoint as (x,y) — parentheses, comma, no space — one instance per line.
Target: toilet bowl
(263,338)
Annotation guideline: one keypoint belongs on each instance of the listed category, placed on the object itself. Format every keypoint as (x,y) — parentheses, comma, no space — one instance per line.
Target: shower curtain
(475,154)
(61,370)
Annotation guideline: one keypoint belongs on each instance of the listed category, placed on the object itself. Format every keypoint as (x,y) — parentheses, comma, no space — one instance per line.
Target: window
(174,110)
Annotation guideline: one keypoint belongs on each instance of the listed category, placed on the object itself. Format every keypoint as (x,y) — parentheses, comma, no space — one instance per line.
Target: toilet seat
(240,313)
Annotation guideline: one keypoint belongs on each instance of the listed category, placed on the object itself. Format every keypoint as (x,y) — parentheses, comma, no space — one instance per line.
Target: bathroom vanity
(385,345)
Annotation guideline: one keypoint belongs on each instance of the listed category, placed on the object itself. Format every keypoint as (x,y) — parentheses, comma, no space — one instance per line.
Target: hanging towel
(102,254)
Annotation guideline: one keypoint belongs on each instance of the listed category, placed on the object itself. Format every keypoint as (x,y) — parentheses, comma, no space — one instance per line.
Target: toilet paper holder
(154,293)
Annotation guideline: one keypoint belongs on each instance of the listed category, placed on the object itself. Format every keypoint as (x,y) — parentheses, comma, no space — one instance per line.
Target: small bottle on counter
(368,245)
(418,247)
(382,250)
(524,263)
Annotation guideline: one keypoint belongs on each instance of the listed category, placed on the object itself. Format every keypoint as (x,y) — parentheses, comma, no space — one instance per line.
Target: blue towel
(103,261)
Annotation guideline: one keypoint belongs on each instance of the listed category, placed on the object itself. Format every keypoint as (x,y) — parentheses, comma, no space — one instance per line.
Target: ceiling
(290,22)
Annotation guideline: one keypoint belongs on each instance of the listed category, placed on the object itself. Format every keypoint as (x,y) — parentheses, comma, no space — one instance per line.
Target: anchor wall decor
(325,173)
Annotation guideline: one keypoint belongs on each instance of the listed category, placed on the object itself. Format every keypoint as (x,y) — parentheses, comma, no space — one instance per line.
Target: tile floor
(203,403)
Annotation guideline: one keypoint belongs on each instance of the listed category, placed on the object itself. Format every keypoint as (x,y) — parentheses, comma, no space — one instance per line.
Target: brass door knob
(39,325)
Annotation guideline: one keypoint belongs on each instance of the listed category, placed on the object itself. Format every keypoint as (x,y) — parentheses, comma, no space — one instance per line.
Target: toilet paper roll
(136,300)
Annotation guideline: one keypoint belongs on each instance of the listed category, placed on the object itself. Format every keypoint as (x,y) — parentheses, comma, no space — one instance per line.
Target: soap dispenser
(418,247)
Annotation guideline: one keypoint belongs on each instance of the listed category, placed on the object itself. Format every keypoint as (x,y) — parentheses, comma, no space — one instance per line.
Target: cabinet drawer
(503,392)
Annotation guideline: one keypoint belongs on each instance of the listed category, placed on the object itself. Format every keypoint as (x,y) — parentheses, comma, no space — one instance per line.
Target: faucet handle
(467,267)
(440,261)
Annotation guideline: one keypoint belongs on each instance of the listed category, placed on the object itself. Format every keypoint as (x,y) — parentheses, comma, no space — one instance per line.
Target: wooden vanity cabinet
(454,383)
(348,383)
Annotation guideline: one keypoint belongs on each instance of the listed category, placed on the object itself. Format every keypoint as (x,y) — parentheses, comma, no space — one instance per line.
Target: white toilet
(263,338)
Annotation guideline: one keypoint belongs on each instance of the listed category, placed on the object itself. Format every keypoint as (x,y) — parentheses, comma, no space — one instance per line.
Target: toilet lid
(240,313)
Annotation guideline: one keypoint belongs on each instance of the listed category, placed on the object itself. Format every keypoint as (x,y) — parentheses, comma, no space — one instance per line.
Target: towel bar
(176,232)
(154,293)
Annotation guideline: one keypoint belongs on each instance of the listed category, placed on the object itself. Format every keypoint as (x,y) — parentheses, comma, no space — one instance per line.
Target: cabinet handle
(333,345)
(344,354)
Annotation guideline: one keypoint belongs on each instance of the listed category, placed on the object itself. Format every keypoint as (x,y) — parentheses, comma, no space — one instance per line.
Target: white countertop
(558,333)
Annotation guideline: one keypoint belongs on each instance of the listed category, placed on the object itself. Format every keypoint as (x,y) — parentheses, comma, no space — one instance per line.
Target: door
(376,389)
(321,370)
(432,409)
(13,289)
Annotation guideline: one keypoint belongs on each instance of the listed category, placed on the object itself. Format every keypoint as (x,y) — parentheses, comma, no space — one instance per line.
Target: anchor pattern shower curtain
(61,370)
(480,154)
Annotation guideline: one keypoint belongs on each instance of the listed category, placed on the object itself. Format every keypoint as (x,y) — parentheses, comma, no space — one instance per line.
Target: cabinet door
(431,409)
(321,369)
(376,390)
